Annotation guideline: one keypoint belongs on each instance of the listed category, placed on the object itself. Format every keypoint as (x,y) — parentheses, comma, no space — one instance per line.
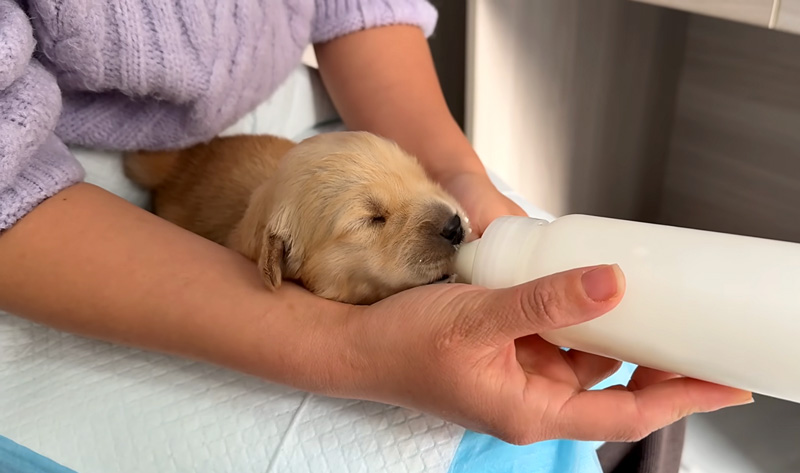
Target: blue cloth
(479,453)
(14,458)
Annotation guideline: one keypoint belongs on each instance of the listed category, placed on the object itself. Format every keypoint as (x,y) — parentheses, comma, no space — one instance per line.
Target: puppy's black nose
(453,231)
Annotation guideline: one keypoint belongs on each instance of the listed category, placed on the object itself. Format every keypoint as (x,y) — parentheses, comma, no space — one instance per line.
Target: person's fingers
(502,207)
(644,377)
(573,368)
(491,204)
(551,302)
(535,354)
(540,358)
(590,369)
(623,415)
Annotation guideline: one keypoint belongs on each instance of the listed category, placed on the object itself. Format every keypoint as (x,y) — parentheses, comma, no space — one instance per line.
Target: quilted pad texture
(96,407)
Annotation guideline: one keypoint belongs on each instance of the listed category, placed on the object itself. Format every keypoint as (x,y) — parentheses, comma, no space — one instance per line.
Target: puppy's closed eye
(377,211)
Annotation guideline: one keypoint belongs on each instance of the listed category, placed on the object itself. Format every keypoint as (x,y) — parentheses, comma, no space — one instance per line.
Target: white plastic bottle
(712,306)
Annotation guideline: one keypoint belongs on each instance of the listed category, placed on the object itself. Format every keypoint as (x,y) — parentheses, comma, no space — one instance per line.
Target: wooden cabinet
(625,109)
(565,97)
(734,153)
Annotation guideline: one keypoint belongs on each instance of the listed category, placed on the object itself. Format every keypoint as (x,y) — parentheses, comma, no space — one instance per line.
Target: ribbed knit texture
(148,74)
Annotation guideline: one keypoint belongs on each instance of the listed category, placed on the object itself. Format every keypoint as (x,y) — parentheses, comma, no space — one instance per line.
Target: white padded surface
(100,408)
(96,407)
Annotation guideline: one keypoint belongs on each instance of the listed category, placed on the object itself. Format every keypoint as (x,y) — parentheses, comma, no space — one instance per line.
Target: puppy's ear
(272,259)
(258,237)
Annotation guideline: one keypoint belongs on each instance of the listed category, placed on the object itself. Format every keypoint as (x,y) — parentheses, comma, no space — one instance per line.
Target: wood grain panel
(734,162)
(757,12)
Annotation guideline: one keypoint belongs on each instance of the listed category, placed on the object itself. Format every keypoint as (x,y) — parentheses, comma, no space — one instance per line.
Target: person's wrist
(302,341)
(365,366)
(349,367)
(446,154)
(452,167)
(473,177)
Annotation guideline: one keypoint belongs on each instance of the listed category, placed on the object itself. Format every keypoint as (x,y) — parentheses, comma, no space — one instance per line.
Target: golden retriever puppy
(349,215)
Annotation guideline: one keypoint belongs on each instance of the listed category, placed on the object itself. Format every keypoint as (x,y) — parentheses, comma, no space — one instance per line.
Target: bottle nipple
(464,261)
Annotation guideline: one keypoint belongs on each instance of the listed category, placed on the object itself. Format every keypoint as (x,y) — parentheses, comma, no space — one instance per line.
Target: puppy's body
(206,189)
(349,215)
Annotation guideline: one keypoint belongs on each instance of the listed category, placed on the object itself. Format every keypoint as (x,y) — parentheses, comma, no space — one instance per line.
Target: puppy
(349,215)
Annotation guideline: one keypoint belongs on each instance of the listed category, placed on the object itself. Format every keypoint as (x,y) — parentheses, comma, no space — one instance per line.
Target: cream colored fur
(349,215)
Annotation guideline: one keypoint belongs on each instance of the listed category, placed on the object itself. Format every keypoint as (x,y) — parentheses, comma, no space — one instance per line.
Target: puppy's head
(354,218)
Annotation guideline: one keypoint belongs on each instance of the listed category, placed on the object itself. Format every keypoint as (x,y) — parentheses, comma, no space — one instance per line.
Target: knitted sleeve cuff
(51,169)
(34,163)
(335,18)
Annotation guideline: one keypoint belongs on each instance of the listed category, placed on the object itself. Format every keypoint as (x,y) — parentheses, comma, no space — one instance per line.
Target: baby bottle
(712,306)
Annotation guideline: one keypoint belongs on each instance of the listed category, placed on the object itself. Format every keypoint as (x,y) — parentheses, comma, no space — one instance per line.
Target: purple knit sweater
(148,74)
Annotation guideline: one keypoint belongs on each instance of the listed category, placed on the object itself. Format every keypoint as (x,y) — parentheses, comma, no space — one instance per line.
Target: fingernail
(746,399)
(600,284)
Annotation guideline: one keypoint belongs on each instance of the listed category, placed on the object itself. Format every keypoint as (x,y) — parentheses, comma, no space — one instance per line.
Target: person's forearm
(88,262)
(383,80)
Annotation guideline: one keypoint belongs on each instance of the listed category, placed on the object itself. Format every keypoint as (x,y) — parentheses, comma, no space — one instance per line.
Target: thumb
(556,301)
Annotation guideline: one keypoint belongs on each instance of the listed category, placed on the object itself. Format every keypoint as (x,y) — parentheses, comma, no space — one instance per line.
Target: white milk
(712,306)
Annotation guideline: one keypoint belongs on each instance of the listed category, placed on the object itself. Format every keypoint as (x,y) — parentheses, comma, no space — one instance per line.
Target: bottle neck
(495,260)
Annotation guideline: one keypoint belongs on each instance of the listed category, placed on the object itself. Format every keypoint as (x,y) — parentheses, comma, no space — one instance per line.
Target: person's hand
(481,200)
(472,356)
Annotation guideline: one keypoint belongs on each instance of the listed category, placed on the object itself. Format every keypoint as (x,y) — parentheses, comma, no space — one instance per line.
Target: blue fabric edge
(14,458)
(480,453)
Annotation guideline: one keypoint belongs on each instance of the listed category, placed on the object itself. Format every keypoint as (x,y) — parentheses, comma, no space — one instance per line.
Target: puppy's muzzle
(453,231)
